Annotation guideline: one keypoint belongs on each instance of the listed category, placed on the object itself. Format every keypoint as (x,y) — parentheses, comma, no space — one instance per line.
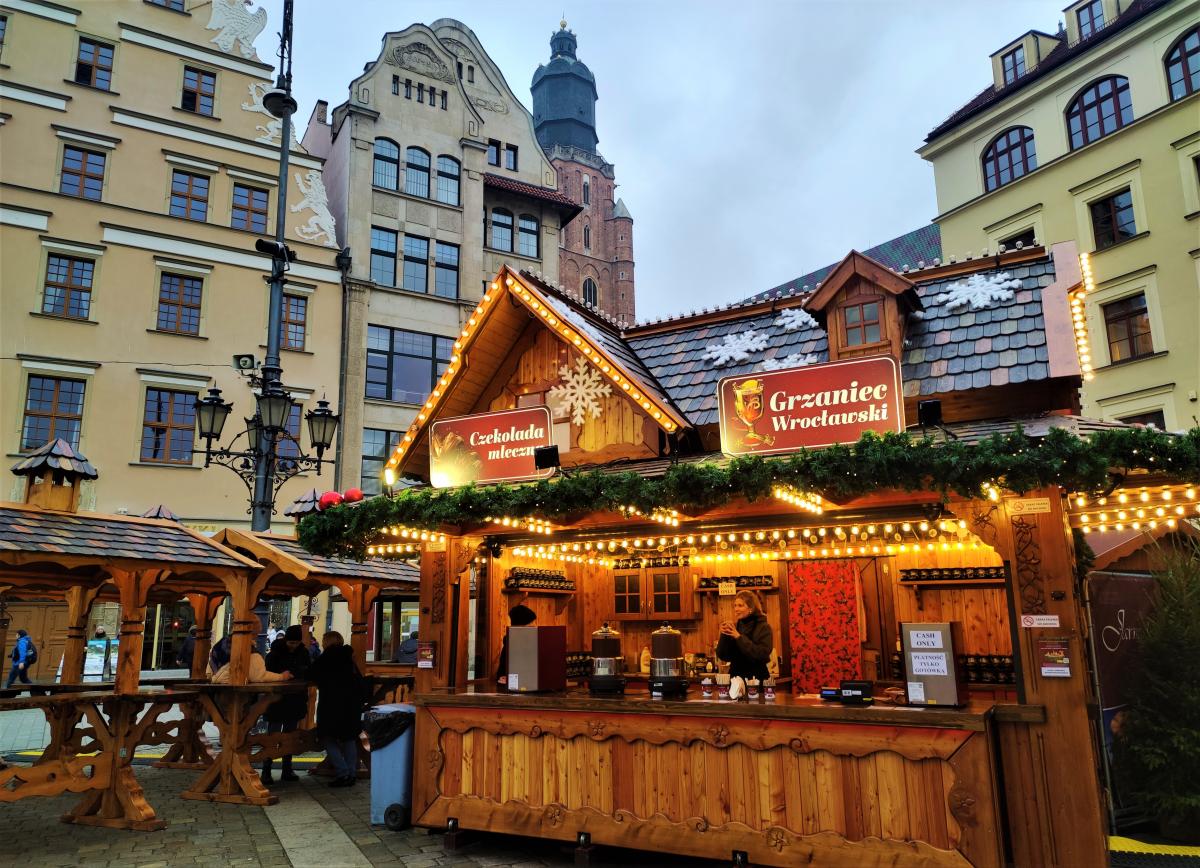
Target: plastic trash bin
(390,731)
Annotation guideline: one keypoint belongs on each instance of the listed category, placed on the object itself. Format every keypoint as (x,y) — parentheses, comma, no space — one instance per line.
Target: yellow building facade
(1093,135)
(137,169)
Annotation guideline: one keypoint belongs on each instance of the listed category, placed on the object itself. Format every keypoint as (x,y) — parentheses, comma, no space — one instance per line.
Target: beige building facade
(137,169)
(435,180)
(1093,135)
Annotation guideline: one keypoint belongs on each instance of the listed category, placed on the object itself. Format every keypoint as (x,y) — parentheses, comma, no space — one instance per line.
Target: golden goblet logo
(748,404)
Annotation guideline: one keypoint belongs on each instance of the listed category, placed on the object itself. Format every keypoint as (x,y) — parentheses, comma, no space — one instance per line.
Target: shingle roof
(946,351)
(58,455)
(376,569)
(1060,54)
(29,529)
(919,245)
(954,351)
(553,197)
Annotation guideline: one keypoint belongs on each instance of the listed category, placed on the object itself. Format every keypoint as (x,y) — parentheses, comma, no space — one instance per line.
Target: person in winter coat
(287,654)
(746,645)
(20,653)
(407,652)
(219,656)
(257,673)
(187,650)
(340,693)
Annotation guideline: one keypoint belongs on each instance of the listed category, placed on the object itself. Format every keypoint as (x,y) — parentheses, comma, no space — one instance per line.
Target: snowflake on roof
(795,360)
(736,347)
(979,291)
(580,391)
(795,318)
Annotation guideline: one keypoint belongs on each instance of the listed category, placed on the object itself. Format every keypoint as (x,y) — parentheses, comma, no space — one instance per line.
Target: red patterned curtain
(823,620)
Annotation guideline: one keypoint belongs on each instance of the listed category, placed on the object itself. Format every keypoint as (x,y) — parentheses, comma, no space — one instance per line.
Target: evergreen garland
(1014,461)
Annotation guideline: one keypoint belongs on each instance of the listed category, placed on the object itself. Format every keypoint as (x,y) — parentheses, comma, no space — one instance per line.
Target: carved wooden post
(79,607)
(1051,768)
(204,608)
(434,624)
(359,599)
(243,596)
(134,587)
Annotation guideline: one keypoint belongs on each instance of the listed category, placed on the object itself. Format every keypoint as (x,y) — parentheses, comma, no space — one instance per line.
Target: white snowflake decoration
(795,360)
(795,318)
(979,291)
(580,391)
(735,348)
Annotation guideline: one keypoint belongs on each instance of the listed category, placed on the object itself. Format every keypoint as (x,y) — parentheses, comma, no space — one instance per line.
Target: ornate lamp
(322,426)
(211,413)
(274,407)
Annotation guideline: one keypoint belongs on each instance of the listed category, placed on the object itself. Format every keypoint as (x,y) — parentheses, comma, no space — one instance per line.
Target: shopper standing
(21,654)
(340,693)
(287,654)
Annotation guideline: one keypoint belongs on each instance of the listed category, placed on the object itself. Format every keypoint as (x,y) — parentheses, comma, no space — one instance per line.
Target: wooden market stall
(961,528)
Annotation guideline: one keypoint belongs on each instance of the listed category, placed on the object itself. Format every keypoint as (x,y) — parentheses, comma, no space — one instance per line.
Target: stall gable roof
(861,265)
(949,347)
(288,556)
(461,385)
(80,539)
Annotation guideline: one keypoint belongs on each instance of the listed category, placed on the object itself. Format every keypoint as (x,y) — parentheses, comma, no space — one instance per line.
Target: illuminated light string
(834,551)
(403,549)
(533,525)
(806,500)
(1135,509)
(572,337)
(1078,300)
(669,517)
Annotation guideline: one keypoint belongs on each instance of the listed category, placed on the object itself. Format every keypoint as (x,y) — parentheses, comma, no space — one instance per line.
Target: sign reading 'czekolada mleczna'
(489,447)
(817,405)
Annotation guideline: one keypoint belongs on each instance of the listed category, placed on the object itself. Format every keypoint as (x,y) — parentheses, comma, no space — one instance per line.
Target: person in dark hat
(519,616)
(287,654)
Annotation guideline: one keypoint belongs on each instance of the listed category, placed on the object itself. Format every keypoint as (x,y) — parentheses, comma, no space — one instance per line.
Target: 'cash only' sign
(816,405)
(489,447)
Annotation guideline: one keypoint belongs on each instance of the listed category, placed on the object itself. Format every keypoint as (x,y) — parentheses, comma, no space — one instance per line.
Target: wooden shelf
(761,589)
(540,592)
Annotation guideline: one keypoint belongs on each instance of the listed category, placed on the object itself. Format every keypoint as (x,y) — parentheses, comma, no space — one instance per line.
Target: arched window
(387,164)
(416,173)
(447,180)
(587,236)
(590,294)
(1101,108)
(587,190)
(527,236)
(1010,155)
(502,227)
(1183,65)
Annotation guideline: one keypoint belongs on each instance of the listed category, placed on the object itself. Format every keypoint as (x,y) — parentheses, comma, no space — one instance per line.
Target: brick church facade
(596,248)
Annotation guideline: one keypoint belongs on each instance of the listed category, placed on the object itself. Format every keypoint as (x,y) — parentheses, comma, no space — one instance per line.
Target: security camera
(244,362)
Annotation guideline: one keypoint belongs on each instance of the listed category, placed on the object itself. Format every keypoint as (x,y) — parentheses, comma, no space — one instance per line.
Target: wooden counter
(787,782)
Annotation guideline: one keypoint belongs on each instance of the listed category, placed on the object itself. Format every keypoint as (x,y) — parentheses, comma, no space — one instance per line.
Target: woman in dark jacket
(287,654)
(746,646)
(339,705)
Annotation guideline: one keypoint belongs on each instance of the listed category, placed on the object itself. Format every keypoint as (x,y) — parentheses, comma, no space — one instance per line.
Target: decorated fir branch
(1015,462)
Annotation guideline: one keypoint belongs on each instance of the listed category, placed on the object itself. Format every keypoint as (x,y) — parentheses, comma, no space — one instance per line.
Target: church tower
(596,248)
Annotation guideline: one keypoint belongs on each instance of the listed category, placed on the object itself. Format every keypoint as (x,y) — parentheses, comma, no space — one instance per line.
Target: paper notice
(512,681)
(925,639)
(916,691)
(927,664)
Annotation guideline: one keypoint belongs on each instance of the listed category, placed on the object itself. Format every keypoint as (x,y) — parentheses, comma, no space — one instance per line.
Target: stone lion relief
(420,58)
(312,188)
(273,129)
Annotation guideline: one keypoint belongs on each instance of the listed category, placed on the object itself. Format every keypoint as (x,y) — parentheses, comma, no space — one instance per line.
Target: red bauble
(352,495)
(328,499)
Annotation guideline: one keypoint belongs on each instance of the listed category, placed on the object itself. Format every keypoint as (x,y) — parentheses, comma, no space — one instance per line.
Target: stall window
(627,593)
(666,592)
(861,323)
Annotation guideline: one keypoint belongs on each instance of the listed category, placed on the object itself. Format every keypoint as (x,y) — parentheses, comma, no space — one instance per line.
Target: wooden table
(234,709)
(787,782)
(96,760)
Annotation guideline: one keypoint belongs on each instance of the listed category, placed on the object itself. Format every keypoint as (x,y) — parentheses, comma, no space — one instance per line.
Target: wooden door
(46,624)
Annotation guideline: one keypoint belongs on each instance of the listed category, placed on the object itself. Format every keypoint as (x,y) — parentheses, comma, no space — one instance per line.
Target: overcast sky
(753,141)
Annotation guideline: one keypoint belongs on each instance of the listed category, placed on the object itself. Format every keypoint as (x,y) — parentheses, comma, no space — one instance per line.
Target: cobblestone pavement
(210,834)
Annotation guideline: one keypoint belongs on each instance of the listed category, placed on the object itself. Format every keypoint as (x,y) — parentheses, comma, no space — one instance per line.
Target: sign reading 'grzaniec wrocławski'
(489,447)
(809,407)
